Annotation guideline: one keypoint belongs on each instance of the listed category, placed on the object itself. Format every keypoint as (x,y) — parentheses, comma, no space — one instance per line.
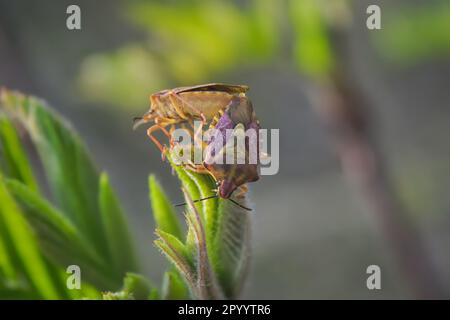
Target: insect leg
(240,193)
(172,129)
(200,128)
(168,135)
(161,147)
(216,119)
(197,168)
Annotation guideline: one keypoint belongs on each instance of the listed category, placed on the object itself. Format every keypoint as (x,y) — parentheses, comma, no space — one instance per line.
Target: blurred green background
(312,236)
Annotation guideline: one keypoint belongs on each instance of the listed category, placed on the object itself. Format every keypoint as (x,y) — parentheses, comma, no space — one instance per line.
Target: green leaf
(173,287)
(154,294)
(13,160)
(88,229)
(177,253)
(117,233)
(199,186)
(59,238)
(206,282)
(71,174)
(226,230)
(87,291)
(163,211)
(22,246)
(7,268)
(137,285)
(231,247)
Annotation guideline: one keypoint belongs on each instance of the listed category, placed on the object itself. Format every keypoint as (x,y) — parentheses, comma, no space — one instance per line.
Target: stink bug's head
(232,177)
(156,101)
(226,189)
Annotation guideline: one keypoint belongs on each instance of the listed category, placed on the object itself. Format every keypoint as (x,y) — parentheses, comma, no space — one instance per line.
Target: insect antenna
(198,200)
(137,121)
(212,197)
(240,205)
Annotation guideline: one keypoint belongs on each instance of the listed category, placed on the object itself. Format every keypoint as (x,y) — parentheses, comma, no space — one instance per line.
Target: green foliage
(173,287)
(71,174)
(58,237)
(82,223)
(187,42)
(106,77)
(117,234)
(191,41)
(163,212)
(14,161)
(213,257)
(20,251)
(135,286)
(410,35)
(312,51)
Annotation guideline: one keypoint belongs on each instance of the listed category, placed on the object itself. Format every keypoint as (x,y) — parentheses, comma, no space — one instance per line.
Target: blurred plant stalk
(343,108)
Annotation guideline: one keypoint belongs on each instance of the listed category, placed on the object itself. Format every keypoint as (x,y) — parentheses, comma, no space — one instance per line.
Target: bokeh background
(314,233)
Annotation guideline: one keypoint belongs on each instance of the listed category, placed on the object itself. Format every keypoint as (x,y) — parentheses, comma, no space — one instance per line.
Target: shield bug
(185,104)
(237,123)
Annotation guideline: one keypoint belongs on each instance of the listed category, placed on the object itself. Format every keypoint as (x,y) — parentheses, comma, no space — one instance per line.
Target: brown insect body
(193,105)
(187,103)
